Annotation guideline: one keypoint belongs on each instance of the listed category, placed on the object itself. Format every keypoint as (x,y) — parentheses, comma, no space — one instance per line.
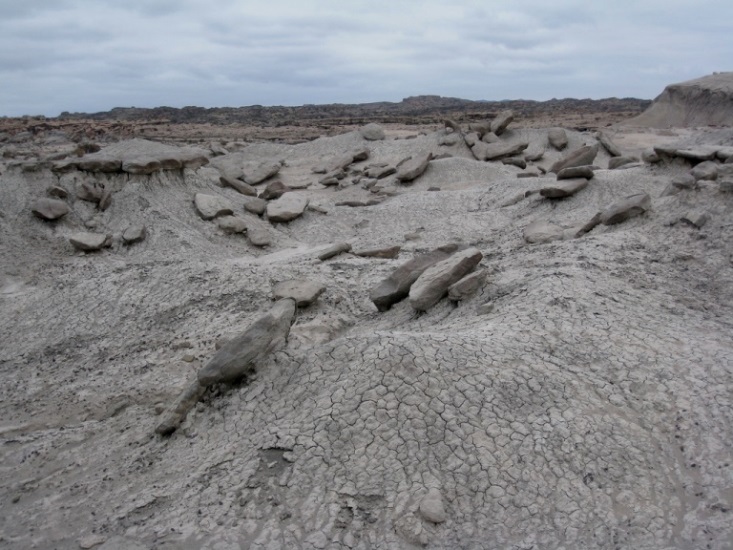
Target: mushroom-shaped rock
(579,157)
(89,242)
(557,138)
(240,355)
(396,287)
(414,167)
(542,232)
(502,120)
(134,234)
(631,206)
(257,173)
(211,206)
(372,132)
(287,208)
(434,282)
(50,209)
(563,188)
(303,292)
(431,507)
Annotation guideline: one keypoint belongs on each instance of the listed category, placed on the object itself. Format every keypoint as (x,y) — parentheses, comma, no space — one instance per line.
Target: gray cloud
(90,55)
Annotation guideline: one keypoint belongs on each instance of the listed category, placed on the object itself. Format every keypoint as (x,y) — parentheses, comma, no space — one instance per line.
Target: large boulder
(579,157)
(414,167)
(287,208)
(50,209)
(372,132)
(435,281)
(396,287)
(241,354)
(631,206)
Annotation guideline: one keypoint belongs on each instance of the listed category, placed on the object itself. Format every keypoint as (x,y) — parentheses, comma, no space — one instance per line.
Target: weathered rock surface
(563,188)
(432,508)
(274,190)
(255,173)
(496,151)
(259,236)
(575,172)
(287,208)
(303,292)
(631,206)
(134,234)
(334,250)
(707,170)
(211,206)
(396,287)
(617,162)
(89,242)
(50,209)
(255,205)
(389,252)
(608,144)
(502,120)
(435,281)
(467,286)
(231,224)
(241,354)
(238,185)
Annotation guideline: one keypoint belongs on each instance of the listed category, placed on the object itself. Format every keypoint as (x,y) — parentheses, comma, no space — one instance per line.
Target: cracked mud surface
(590,408)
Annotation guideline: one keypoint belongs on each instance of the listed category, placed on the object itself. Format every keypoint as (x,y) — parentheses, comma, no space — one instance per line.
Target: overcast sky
(92,55)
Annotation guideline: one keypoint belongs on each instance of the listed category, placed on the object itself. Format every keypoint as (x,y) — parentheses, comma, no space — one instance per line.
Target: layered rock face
(706,101)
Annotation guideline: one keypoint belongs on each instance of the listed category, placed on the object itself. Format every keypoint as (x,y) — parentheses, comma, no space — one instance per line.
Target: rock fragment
(50,209)
(257,173)
(238,185)
(496,151)
(303,292)
(575,172)
(434,282)
(389,252)
(211,206)
(432,508)
(502,120)
(255,205)
(557,138)
(608,144)
(134,234)
(542,232)
(287,208)
(579,157)
(707,170)
(563,188)
(231,224)
(274,190)
(696,218)
(617,162)
(414,167)
(334,250)
(372,132)
(631,206)
(467,286)
(89,242)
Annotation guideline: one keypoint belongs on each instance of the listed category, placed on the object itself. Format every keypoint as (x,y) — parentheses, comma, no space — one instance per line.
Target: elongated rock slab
(435,281)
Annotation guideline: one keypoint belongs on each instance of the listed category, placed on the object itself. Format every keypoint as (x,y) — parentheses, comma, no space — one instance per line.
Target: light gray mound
(579,399)
(706,101)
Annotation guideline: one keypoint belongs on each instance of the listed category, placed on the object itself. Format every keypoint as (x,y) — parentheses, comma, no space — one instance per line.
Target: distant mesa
(706,101)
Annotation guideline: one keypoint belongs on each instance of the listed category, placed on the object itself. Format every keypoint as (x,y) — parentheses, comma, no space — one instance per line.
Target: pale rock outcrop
(434,282)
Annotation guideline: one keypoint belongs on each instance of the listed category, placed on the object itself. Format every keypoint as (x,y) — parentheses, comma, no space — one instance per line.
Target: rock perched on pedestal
(434,282)
(631,206)
(396,287)
(211,206)
(50,209)
(303,292)
(287,208)
(240,355)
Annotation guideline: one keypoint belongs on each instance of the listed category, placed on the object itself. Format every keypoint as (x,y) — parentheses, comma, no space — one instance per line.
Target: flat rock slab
(88,242)
(239,355)
(303,292)
(50,209)
(287,208)
(253,174)
(575,172)
(434,282)
(334,250)
(543,232)
(414,167)
(211,206)
(631,206)
(396,287)
(467,286)
(389,252)
(496,151)
(579,157)
(238,185)
(563,188)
